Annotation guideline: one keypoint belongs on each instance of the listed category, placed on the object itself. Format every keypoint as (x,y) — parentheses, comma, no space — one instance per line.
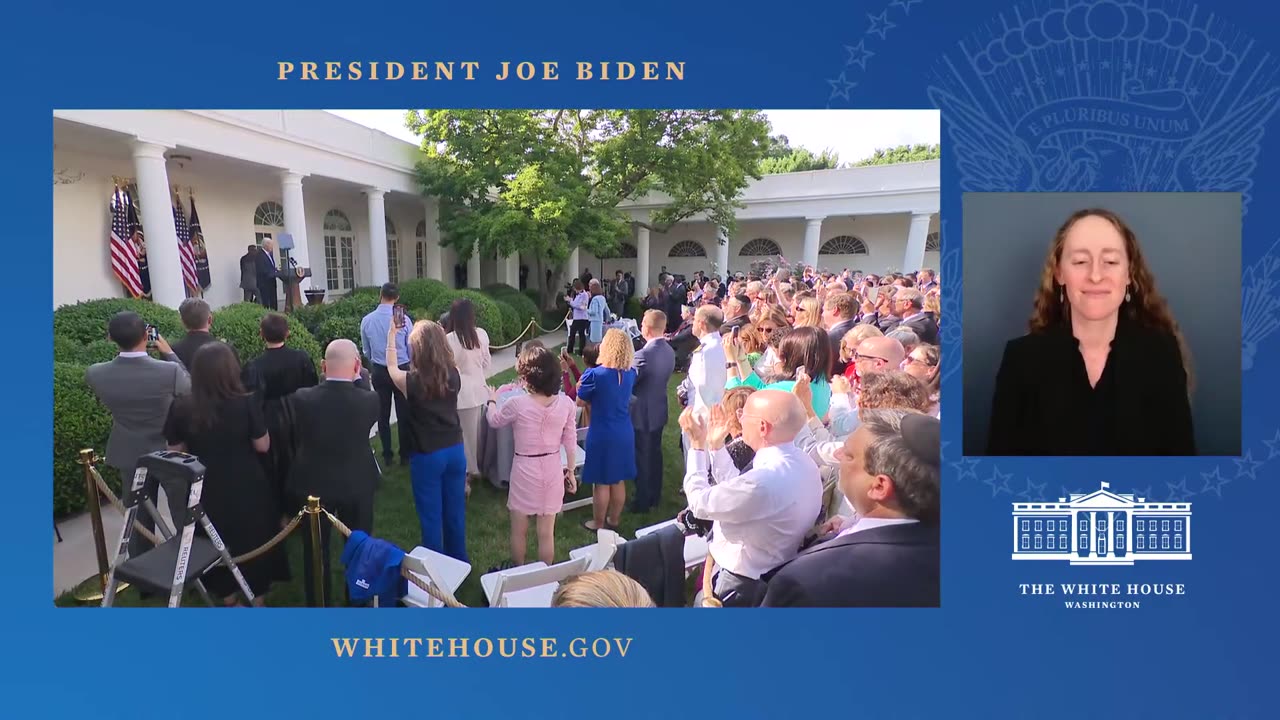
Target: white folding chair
(695,548)
(530,585)
(601,553)
(437,569)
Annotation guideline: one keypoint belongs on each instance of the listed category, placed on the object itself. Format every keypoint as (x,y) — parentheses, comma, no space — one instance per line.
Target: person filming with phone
(374,329)
(138,389)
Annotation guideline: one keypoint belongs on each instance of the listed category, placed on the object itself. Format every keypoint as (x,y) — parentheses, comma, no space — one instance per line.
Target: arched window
(339,252)
(687,248)
(269,214)
(625,250)
(933,242)
(336,220)
(420,234)
(760,247)
(393,252)
(843,245)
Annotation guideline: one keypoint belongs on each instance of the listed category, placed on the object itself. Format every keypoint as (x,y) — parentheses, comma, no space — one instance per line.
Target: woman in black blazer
(1104,370)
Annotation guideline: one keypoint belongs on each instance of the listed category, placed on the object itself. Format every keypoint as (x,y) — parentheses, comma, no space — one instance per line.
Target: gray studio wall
(1191,242)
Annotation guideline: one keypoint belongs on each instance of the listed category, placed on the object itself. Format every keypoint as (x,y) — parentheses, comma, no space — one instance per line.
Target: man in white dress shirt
(760,517)
(708,370)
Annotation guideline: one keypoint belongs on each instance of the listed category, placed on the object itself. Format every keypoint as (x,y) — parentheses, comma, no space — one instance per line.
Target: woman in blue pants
(437,462)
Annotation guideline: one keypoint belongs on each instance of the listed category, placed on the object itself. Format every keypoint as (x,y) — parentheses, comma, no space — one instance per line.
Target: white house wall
(226,201)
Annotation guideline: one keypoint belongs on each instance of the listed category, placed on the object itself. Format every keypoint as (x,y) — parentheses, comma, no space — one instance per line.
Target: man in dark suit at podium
(334,460)
(888,555)
(268,274)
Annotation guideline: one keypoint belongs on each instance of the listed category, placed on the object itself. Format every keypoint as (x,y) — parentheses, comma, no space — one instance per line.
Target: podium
(292,279)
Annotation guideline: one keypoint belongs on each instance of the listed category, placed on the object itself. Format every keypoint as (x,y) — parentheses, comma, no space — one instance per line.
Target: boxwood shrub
(337,327)
(79,422)
(634,309)
(67,350)
(421,293)
(86,322)
(311,316)
(488,314)
(525,308)
(237,325)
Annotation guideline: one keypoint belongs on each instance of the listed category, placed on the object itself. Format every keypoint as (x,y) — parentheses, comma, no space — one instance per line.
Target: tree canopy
(782,158)
(901,154)
(543,182)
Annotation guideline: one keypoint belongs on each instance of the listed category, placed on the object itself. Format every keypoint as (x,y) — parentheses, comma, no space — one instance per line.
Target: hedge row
(237,325)
(80,421)
(86,322)
(526,310)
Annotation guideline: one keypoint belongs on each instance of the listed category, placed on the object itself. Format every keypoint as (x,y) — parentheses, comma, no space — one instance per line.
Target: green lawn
(488,525)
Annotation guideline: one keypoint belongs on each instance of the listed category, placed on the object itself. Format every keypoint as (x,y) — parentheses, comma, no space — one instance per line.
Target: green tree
(544,182)
(902,154)
(782,158)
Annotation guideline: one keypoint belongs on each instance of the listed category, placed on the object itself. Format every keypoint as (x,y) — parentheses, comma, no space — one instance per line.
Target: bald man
(877,354)
(333,459)
(760,517)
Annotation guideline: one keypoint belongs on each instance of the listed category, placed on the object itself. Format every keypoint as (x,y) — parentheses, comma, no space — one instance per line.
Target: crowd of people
(811,434)
(809,423)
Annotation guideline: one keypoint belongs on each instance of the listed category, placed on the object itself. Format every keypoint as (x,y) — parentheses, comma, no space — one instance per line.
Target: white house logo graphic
(1102,528)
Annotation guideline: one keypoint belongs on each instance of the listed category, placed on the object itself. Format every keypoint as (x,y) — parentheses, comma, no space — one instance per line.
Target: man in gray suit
(654,364)
(138,389)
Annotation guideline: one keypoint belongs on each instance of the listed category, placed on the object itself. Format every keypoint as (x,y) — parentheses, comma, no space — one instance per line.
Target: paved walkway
(75,559)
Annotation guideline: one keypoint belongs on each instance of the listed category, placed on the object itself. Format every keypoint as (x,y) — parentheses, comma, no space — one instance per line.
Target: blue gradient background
(987,653)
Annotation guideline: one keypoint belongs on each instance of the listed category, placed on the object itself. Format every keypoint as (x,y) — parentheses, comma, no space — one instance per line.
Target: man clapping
(759,517)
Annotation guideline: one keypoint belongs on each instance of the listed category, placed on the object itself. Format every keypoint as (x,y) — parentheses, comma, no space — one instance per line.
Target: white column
(431,244)
(1186,535)
(812,237)
(1111,533)
(722,253)
(295,223)
(473,267)
(377,236)
(1093,533)
(916,237)
(572,267)
(511,266)
(1075,537)
(642,261)
(157,224)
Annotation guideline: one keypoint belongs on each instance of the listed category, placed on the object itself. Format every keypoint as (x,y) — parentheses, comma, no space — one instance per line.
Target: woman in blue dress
(611,444)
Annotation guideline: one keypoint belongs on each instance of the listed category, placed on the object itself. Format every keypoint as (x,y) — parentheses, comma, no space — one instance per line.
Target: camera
(153,333)
(690,525)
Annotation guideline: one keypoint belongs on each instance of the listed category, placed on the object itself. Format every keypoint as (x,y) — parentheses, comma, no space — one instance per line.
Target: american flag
(124,261)
(185,256)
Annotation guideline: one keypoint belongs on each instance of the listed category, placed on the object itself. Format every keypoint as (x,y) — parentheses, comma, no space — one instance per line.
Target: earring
(1061,297)
(1126,296)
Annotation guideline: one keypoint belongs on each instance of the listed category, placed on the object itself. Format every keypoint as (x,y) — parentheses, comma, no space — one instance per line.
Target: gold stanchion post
(317,560)
(92,589)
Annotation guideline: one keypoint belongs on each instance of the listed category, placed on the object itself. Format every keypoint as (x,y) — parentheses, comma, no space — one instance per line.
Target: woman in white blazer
(470,346)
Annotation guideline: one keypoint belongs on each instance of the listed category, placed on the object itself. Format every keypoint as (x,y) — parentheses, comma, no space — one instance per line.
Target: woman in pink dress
(544,422)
